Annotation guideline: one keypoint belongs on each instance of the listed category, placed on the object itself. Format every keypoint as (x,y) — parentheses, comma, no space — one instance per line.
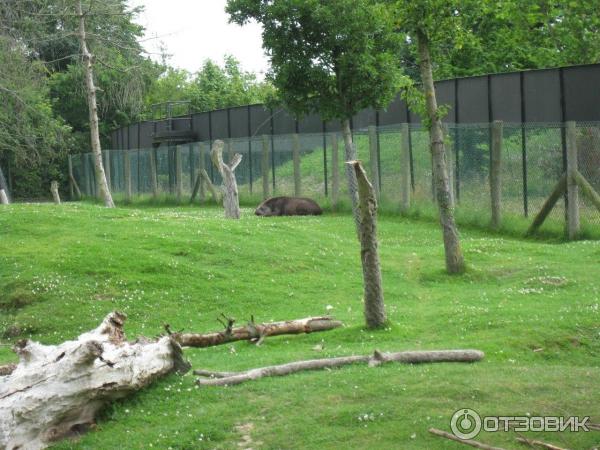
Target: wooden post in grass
(449,158)
(201,167)
(71,178)
(231,201)
(127,173)
(405,185)
(559,190)
(373,160)
(265,166)
(178,173)
(3,197)
(296,156)
(335,171)
(373,289)
(54,191)
(107,168)
(572,188)
(495,173)
(153,174)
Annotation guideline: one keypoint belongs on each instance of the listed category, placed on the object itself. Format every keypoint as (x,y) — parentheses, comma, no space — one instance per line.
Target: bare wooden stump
(54,191)
(256,332)
(3,197)
(373,289)
(374,360)
(56,389)
(495,174)
(231,200)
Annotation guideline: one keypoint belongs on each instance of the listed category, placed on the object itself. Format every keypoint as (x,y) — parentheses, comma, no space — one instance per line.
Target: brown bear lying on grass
(288,206)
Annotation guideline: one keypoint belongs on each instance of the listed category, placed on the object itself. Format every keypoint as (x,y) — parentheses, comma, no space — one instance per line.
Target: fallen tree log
(534,443)
(469,442)
(256,332)
(56,390)
(376,359)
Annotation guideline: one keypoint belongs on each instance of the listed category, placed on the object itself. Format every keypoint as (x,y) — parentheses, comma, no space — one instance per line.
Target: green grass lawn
(532,307)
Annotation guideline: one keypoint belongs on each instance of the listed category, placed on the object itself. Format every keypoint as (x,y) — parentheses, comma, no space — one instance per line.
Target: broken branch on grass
(533,443)
(374,360)
(469,442)
(254,332)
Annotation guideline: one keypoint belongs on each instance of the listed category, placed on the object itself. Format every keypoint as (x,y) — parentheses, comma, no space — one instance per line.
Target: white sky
(194,30)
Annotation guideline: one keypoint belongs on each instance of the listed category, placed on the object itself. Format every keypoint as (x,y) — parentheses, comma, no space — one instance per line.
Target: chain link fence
(533,159)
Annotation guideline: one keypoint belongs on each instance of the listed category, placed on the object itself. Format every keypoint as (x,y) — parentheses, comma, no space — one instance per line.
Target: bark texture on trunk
(56,390)
(231,200)
(351,155)
(454,258)
(255,331)
(374,360)
(369,253)
(101,182)
(54,191)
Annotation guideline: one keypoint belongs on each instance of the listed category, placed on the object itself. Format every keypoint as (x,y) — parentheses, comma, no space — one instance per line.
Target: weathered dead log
(468,442)
(369,253)
(54,191)
(533,443)
(254,331)
(57,389)
(7,369)
(376,359)
(231,200)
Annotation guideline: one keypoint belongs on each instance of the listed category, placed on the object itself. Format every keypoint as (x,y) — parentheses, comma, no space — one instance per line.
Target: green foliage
(335,57)
(533,308)
(212,87)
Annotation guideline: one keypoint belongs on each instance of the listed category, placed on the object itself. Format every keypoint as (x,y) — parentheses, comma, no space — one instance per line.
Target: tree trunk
(373,289)
(56,390)
(255,331)
(454,258)
(351,155)
(231,200)
(378,358)
(102,185)
(54,190)
(3,197)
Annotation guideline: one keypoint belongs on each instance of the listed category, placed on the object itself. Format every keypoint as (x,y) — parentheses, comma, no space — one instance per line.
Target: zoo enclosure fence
(532,159)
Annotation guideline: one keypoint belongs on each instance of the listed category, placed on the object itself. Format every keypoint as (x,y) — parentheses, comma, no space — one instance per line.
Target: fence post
(265,166)
(572,188)
(153,175)
(495,174)
(449,159)
(127,173)
(373,159)
(107,167)
(71,178)
(178,172)
(201,167)
(296,156)
(335,171)
(405,179)
(192,165)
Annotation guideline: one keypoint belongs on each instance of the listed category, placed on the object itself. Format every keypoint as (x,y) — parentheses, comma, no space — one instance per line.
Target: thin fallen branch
(469,442)
(378,358)
(533,442)
(252,331)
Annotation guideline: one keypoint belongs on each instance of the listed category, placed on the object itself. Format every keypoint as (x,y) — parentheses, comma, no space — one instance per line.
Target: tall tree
(431,22)
(334,57)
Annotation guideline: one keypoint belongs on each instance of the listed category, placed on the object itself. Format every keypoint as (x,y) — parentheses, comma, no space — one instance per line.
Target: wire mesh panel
(588,163)
(421,165)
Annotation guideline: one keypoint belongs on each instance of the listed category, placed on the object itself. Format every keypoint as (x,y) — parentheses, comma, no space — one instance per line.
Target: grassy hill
(532,307)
